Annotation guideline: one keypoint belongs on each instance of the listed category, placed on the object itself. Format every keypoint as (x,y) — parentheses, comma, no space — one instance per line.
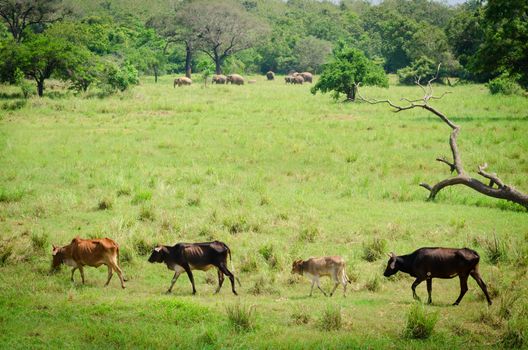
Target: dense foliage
(475,40)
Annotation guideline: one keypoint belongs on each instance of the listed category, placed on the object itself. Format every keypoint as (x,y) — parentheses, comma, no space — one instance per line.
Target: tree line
(109,43)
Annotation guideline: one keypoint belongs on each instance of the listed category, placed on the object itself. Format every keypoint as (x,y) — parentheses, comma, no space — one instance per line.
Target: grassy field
(277,174)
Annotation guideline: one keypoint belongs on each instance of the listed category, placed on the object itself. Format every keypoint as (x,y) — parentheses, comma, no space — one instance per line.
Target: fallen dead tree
(494,187)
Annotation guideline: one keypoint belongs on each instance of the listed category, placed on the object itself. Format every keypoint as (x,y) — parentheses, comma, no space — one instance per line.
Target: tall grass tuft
(309,234)
(241,317)
(300,316)
(374,249)
(8,196)
(516,334)
(420,324)
(496,250)
(374,284)
(330,319)
(39,241)
(105,204)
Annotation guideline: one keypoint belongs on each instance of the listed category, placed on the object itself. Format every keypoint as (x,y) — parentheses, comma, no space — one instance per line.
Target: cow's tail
(232,266)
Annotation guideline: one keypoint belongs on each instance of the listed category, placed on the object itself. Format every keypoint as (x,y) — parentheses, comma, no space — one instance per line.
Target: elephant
(298,79)
(235,79)
(182,81)
(219,79)
(270,75)
(307,76)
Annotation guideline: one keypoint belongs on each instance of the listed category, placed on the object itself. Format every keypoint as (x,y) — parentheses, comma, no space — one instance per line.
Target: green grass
(277,174)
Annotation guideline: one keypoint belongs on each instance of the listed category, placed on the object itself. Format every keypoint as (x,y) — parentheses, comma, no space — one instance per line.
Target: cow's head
(57,257)
(297,267)
(158,254)
(392,267)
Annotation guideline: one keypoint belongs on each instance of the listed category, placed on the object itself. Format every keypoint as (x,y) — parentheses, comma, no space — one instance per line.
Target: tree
(21,14)
(311,53)
(505,46)
(495,188)
(224,28)
(349,68)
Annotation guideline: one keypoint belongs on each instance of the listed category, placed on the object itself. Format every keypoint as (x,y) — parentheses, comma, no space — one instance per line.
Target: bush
(331,319)
(26,87)
(374,249)
(420,324)
(118,78)
(505,85)
(240,317)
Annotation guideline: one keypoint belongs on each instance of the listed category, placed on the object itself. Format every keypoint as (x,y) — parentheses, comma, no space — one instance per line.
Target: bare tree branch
(502,191)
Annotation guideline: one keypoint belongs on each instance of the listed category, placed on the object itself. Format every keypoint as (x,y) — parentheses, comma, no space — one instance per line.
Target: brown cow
(313,268)
(89,252)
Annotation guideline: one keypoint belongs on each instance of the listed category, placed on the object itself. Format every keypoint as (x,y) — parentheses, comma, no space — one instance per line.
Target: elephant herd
(236,79)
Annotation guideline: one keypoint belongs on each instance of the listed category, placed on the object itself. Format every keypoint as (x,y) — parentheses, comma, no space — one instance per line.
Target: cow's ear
(392,255)
(55,250)
(158,249)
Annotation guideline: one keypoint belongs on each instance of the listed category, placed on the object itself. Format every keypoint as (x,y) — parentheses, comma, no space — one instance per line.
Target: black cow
(428,263)
(195,256)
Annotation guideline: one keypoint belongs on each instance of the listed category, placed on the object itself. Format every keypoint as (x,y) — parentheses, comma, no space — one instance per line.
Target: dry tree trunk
(495,188)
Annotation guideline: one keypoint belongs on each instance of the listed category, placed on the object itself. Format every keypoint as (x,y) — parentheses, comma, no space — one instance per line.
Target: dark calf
(428,263)
(195,256)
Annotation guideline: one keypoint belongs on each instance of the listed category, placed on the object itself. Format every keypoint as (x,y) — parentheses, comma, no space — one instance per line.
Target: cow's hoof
(455,304)
(489,303)
(168,292)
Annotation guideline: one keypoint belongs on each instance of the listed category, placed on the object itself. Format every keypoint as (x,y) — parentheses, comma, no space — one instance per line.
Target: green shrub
(330,319)
(420,324)
(25,86)
(118,78)
(374,249)
(240,317)
(504,85)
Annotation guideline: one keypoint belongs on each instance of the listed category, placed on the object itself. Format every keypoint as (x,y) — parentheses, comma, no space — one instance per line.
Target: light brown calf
(313,268)
(89,252)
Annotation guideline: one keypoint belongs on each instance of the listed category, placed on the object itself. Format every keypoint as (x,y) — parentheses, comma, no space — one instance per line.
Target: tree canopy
(348,68)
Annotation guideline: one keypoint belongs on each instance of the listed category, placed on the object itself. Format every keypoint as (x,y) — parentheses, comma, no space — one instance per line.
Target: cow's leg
(429,290)
(220,280)
(463,288)
(174,279)
(110,273)
(228,273)
(475,274)
(344,282)
(191,277)
(117,269)
(81,270)
(72,271)
(413,287)
(311,289)
(336,282)
(319,286)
